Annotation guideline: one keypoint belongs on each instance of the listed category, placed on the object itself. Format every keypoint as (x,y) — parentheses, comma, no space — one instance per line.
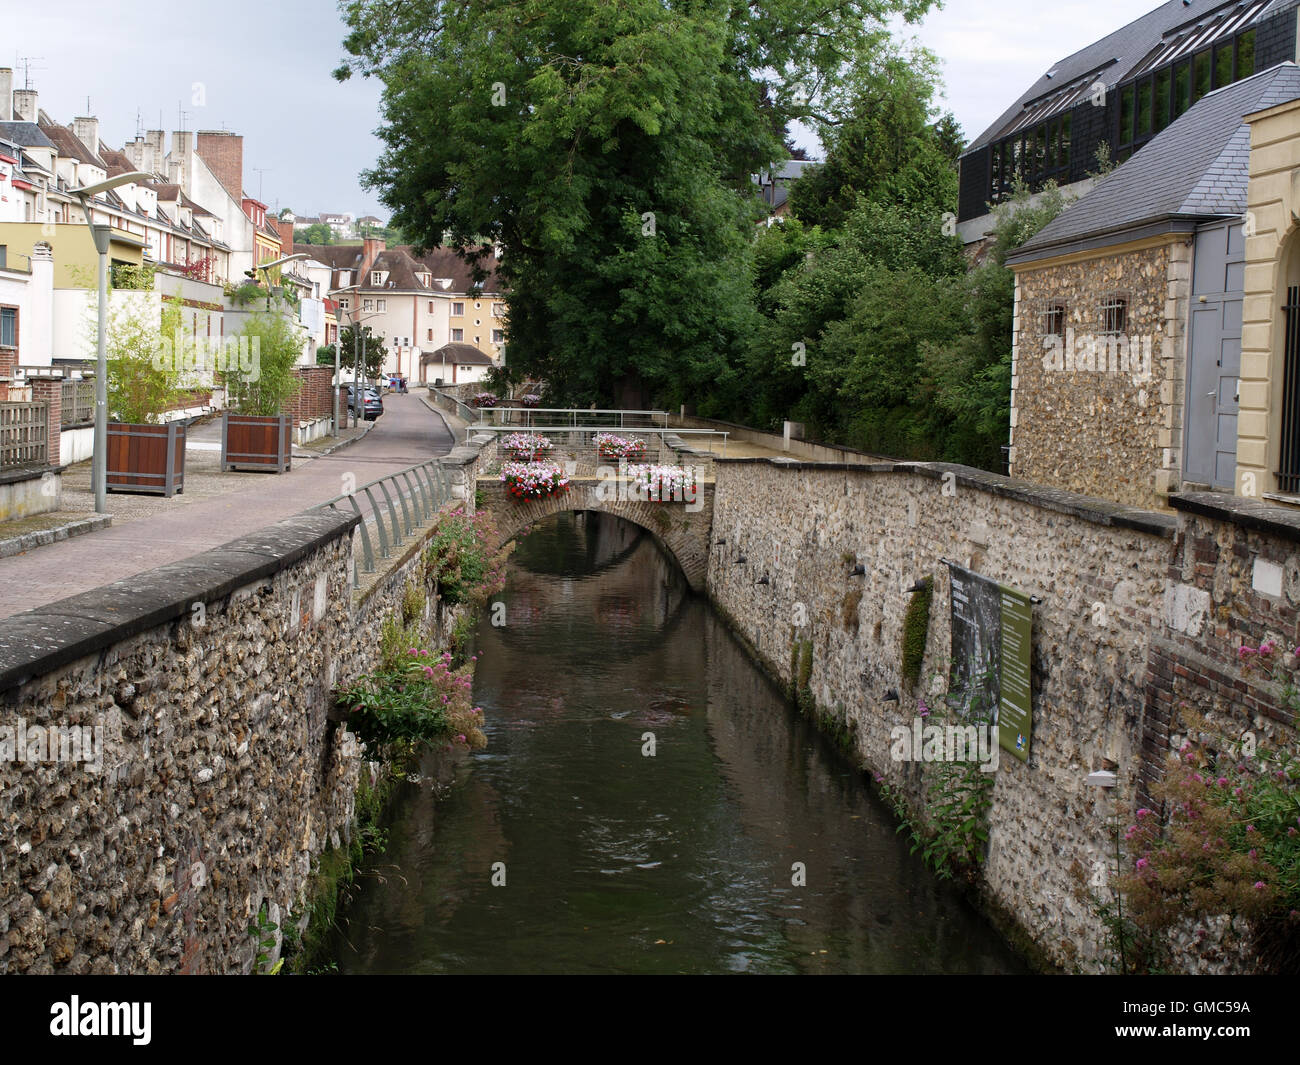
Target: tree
(373,351)
(608,148)
(318,233)
(268,382)
(885,148)
(139,343)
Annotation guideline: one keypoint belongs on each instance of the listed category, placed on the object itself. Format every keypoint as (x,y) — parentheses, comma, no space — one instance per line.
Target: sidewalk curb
(17,545)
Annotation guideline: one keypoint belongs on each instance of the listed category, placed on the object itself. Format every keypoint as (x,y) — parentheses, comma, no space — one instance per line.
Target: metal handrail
(574,412)
(427,488)
(472,430)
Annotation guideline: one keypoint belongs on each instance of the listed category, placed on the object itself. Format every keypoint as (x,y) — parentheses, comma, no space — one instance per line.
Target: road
(407,433)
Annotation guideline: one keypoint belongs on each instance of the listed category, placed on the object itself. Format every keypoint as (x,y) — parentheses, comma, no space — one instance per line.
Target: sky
(263,69)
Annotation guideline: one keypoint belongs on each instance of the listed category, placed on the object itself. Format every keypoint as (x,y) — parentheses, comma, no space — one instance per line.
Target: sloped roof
(25,135)
(463,354)
(68,145)
(1114,57)
(1196,169)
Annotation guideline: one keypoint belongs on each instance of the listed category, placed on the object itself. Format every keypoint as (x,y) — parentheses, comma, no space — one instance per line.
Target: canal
(648,797)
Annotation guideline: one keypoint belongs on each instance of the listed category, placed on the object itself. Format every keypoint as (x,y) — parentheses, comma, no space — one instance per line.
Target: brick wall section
(1220,573)
(224,155)
(49,390)
(314,398)
(1103,433)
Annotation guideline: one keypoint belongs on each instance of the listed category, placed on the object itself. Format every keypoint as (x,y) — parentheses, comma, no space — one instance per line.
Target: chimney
(223,151)
(86,130)
(179,164)
(6,94)
(141,154)
(154,138)
(24,105)
(370,249)
(285,229)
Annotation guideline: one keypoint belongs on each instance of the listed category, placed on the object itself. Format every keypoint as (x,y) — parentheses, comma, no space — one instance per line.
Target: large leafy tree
(608,148)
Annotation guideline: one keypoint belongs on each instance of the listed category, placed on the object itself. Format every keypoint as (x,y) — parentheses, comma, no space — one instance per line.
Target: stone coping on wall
(1086,508)
(1255,514)
(39,641)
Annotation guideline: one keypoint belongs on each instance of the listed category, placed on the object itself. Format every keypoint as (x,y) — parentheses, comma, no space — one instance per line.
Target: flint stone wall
(1139,611)
(222,776)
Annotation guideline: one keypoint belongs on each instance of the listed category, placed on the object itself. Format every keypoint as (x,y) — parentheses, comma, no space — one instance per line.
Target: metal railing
(571,417)
(577,448)
(24,435)
(417,491)
(462,410)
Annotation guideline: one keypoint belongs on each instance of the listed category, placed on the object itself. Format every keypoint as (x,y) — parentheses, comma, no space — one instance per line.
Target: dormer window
(424,279)
(376,277)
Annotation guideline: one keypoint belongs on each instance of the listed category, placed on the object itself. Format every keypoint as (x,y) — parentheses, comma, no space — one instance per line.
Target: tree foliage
(373,352)
(609,149)
(138,344)
(268,382)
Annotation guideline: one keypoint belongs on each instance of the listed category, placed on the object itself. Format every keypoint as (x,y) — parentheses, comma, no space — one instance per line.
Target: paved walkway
(148,531)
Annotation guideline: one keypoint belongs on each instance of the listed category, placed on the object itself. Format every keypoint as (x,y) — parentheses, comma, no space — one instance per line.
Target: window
(367,305)
(498,310)
(1054,320)
(457,309)
(430,336)
(376,277)
(431,310)
(8,327)
(4,255)
(1114,314)
(381,305)
(343,303)
(457,336)
(498,336)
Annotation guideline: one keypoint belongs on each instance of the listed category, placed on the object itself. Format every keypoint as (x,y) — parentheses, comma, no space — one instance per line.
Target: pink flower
(1259,885)
(1141,863)
(1250,828)
(1244,652)
(1222,782)
(461,737)
(1253,854)
(1267,647)
(1144,812)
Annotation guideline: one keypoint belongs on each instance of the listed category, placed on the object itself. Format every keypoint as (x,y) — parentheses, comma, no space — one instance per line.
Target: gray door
(1214,356)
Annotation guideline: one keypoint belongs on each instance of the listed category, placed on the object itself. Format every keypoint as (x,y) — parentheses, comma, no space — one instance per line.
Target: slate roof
(25,135)
(1113,58)
(402,266)
(1196,169)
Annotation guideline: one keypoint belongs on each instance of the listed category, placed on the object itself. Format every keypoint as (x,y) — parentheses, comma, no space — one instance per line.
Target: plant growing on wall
(464,557)
(1229,838)
(268,383)
(916,627)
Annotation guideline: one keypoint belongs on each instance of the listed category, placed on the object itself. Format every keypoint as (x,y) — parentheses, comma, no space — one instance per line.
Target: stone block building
(1148,313)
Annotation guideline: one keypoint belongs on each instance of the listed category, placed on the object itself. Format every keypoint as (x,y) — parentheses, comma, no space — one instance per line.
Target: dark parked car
(371,405)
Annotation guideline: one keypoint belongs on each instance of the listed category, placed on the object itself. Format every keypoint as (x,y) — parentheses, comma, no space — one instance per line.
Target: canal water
(619,860)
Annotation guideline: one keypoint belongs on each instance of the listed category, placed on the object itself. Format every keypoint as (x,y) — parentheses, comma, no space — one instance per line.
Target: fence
(418,490)
(24,435)
(78,407)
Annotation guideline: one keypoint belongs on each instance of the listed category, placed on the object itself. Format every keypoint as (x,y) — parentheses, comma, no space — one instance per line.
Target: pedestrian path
(149,531)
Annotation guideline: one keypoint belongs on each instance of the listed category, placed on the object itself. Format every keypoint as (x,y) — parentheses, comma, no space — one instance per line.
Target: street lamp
(101,234)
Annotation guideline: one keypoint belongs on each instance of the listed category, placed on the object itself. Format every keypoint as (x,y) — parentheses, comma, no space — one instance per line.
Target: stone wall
(1139,611)
(1102,415)
(221,776)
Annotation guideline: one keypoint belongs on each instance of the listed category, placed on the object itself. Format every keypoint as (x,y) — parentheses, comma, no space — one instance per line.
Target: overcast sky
(262,68)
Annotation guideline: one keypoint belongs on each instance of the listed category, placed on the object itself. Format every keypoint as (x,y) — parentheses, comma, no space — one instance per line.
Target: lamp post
(101,235)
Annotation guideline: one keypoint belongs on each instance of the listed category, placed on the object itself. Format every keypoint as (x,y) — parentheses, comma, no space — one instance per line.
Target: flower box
(530,399)
(664,484)
(610,446)
(145,458)
(526,447)
(534,480)
(484,399)
(256,442)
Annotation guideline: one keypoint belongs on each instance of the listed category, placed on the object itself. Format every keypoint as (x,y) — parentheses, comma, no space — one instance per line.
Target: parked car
(371,405)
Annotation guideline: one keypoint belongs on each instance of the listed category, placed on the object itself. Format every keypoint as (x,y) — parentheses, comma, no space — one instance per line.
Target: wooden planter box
(256,442)
(146,458)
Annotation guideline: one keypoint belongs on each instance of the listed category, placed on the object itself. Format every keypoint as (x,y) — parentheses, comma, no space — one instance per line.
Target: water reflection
(616,861)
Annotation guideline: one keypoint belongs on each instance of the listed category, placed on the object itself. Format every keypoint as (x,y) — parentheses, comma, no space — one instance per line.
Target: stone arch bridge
(682,529)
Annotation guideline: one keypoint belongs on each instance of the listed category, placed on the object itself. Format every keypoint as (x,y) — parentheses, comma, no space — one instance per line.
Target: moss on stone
(916,628)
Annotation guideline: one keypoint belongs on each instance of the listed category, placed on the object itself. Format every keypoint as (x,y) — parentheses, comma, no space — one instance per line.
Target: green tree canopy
(373,351)
(264,383)
(608,148)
